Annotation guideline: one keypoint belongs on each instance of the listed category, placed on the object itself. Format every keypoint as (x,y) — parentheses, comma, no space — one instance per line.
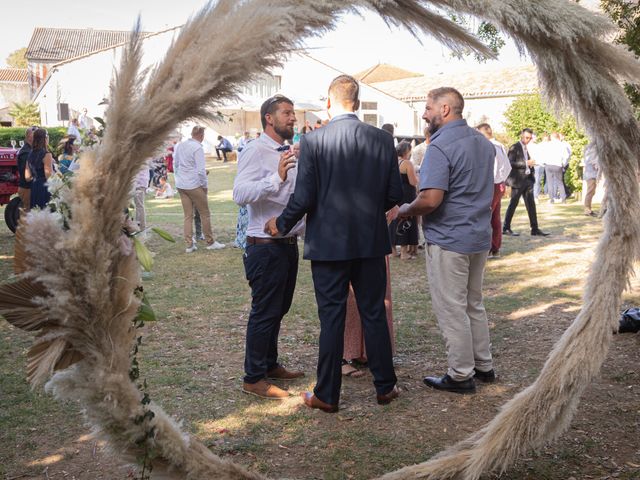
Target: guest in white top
(591,173)
(86,122)
(244,140)
(420,150)
(191,182)
(164,190)
(266,178)
(140,183)
(72,129)
(501,170)
(557,158)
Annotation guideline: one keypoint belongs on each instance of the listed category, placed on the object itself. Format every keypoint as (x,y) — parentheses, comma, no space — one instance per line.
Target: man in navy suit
(347,179)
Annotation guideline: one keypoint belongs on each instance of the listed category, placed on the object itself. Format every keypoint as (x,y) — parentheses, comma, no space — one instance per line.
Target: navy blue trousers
(368,276)
(271,270)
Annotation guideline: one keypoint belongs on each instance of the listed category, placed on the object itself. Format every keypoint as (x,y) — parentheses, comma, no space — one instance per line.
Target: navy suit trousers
(271,270)
(331,281)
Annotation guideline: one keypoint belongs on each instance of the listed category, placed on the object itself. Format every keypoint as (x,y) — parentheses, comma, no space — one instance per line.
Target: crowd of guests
(356,196)
(352,178)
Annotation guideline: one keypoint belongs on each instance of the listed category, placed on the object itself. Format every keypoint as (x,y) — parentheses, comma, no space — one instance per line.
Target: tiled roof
(383,72)
(58,44)
(472,84)
(18,75)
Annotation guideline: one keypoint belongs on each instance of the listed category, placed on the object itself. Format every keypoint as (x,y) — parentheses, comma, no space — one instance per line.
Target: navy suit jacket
(347,179)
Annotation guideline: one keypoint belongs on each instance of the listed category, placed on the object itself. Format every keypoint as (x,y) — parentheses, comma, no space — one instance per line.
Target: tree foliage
(530,112)
(17,59)
(626,14)
(25,114)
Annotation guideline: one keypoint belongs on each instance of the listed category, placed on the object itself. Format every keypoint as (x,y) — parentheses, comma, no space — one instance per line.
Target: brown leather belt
(262,241)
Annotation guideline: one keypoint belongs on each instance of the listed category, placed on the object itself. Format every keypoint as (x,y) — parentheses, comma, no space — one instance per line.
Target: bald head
(344,92)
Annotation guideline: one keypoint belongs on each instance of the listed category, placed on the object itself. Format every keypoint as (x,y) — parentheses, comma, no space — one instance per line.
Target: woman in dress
(406,232)
(40,168)
(355,354)
(68,154)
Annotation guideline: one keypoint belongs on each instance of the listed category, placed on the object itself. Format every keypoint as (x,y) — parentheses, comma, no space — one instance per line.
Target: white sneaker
(192,248)
(215,246)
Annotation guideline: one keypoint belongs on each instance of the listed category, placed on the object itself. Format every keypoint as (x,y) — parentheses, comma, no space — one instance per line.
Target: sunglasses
(402,227)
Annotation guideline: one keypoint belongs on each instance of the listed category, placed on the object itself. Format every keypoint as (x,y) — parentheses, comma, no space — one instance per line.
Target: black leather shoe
(447,384)
(539,233)
(486,377)
(511,233)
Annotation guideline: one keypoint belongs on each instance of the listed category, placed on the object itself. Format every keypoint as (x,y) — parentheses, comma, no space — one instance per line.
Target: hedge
(17,133)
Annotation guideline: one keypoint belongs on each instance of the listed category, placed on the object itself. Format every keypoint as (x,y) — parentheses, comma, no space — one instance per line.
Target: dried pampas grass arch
(84,335)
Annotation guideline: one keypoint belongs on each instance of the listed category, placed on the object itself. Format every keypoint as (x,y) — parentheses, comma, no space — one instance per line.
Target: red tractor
(9,186)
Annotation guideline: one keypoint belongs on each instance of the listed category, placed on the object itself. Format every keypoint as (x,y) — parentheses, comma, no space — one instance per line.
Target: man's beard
(285,131)
(435,124)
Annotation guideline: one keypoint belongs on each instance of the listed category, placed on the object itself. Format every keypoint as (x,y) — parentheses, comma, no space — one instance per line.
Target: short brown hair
(345,89)
(458,100)
(270,105)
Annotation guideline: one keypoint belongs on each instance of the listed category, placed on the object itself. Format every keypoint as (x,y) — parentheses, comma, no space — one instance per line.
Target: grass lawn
(193,361)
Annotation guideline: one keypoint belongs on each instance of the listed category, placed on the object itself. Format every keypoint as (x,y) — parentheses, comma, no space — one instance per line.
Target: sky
(358,43)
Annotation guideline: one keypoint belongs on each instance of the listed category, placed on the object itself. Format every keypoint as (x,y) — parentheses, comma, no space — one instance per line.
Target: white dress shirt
(501,166)
(259,186)
(188,165)
(557,154)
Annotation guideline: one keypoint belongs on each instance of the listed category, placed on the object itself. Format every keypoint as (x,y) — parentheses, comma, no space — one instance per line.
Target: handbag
(630,321)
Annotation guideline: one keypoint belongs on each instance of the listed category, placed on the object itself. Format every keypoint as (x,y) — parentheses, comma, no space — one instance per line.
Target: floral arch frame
(85,335)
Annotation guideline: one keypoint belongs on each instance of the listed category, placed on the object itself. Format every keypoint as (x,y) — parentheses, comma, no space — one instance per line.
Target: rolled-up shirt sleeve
(250,184)
(434,172)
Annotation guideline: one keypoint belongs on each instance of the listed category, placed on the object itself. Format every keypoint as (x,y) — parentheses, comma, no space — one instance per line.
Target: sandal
(348,370)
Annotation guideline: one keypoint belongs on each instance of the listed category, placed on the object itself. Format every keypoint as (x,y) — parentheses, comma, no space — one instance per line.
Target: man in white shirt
(86,122)
(140,187)
(72,129)
(191,182)
(244,140)
(266,178)
(501,170)
(557,159)
(591,173)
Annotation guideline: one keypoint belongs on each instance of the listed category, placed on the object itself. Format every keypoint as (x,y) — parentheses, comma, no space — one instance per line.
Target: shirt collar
(268,141)
(343,115)
(455,123)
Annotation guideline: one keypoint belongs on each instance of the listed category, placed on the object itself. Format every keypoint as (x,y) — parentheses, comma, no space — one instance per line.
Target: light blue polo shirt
(459,161)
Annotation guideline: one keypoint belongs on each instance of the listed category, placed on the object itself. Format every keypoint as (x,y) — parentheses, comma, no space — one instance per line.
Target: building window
(265,86)
(370,118)
(369,106)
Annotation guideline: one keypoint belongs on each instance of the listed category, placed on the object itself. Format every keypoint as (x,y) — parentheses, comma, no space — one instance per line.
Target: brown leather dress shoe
(387,398)
(311,401)
(281,373)
(264,389)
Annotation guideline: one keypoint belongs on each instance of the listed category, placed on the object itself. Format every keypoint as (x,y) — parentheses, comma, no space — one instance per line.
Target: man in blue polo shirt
(456,189)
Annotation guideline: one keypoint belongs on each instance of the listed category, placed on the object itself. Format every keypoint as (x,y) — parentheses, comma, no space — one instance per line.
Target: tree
(626,14)
(17,59)
(25,114)
(529,112)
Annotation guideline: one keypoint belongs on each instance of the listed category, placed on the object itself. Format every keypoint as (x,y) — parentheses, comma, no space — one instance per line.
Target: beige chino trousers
(197,198)
(455,283)
(591,191)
